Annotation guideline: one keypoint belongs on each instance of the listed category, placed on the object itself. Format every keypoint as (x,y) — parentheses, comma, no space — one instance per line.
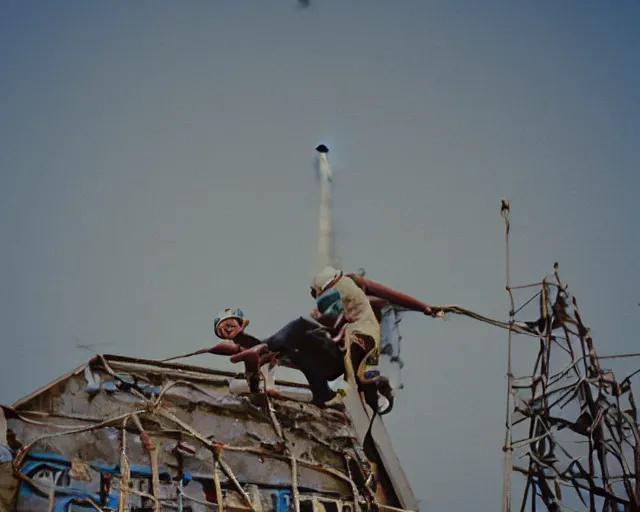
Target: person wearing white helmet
(230,323)
(304,343)
(360,332)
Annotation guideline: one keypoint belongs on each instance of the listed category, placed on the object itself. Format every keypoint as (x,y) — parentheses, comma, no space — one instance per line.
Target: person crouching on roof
(230,325)
(303,343)
(360,331)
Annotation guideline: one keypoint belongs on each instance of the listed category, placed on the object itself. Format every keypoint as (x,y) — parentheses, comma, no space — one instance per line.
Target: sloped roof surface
(257,439)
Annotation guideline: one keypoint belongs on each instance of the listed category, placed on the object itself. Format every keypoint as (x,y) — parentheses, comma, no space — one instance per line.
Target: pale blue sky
(157,166)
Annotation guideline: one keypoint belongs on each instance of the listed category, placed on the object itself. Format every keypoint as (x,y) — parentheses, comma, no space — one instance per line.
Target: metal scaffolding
(571,426)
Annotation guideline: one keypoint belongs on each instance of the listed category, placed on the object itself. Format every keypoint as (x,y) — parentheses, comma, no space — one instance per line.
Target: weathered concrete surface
(177,406)
(8,487)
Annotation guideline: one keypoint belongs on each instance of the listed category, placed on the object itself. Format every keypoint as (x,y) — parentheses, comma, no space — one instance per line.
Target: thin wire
(619,356)
(526,303)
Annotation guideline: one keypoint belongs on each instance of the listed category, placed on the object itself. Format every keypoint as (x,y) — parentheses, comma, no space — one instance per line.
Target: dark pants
(309,348)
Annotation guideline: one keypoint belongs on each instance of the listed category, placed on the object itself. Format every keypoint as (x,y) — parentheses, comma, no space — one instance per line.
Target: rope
(153,461)
(457,310)
(190,354)
(216,480)
(125,474)
(292,461)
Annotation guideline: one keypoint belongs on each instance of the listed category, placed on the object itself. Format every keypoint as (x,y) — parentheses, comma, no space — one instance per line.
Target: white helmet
(325,278)
(226,314)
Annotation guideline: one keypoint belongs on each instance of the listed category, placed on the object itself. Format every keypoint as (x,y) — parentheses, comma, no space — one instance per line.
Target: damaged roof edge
(51,384)
(358,415)
(189,368)
(148,362)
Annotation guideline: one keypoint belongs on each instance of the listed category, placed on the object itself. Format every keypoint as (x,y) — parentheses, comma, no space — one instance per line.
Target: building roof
(322,421)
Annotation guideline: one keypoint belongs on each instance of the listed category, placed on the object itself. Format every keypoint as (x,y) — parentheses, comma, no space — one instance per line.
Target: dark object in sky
(322,149)
(304,3)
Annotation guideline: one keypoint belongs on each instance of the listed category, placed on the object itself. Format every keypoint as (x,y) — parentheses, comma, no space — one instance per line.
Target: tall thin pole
(508,449)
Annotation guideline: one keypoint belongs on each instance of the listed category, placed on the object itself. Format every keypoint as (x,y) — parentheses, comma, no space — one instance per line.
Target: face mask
(329,304)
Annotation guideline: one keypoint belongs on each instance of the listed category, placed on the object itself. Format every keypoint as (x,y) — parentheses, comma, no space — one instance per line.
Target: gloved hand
(434,312)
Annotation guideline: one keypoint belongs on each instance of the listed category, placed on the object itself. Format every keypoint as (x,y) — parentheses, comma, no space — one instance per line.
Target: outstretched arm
(379,292)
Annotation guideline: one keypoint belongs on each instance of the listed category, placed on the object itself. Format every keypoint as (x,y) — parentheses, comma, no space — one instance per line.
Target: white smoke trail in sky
(326,237)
